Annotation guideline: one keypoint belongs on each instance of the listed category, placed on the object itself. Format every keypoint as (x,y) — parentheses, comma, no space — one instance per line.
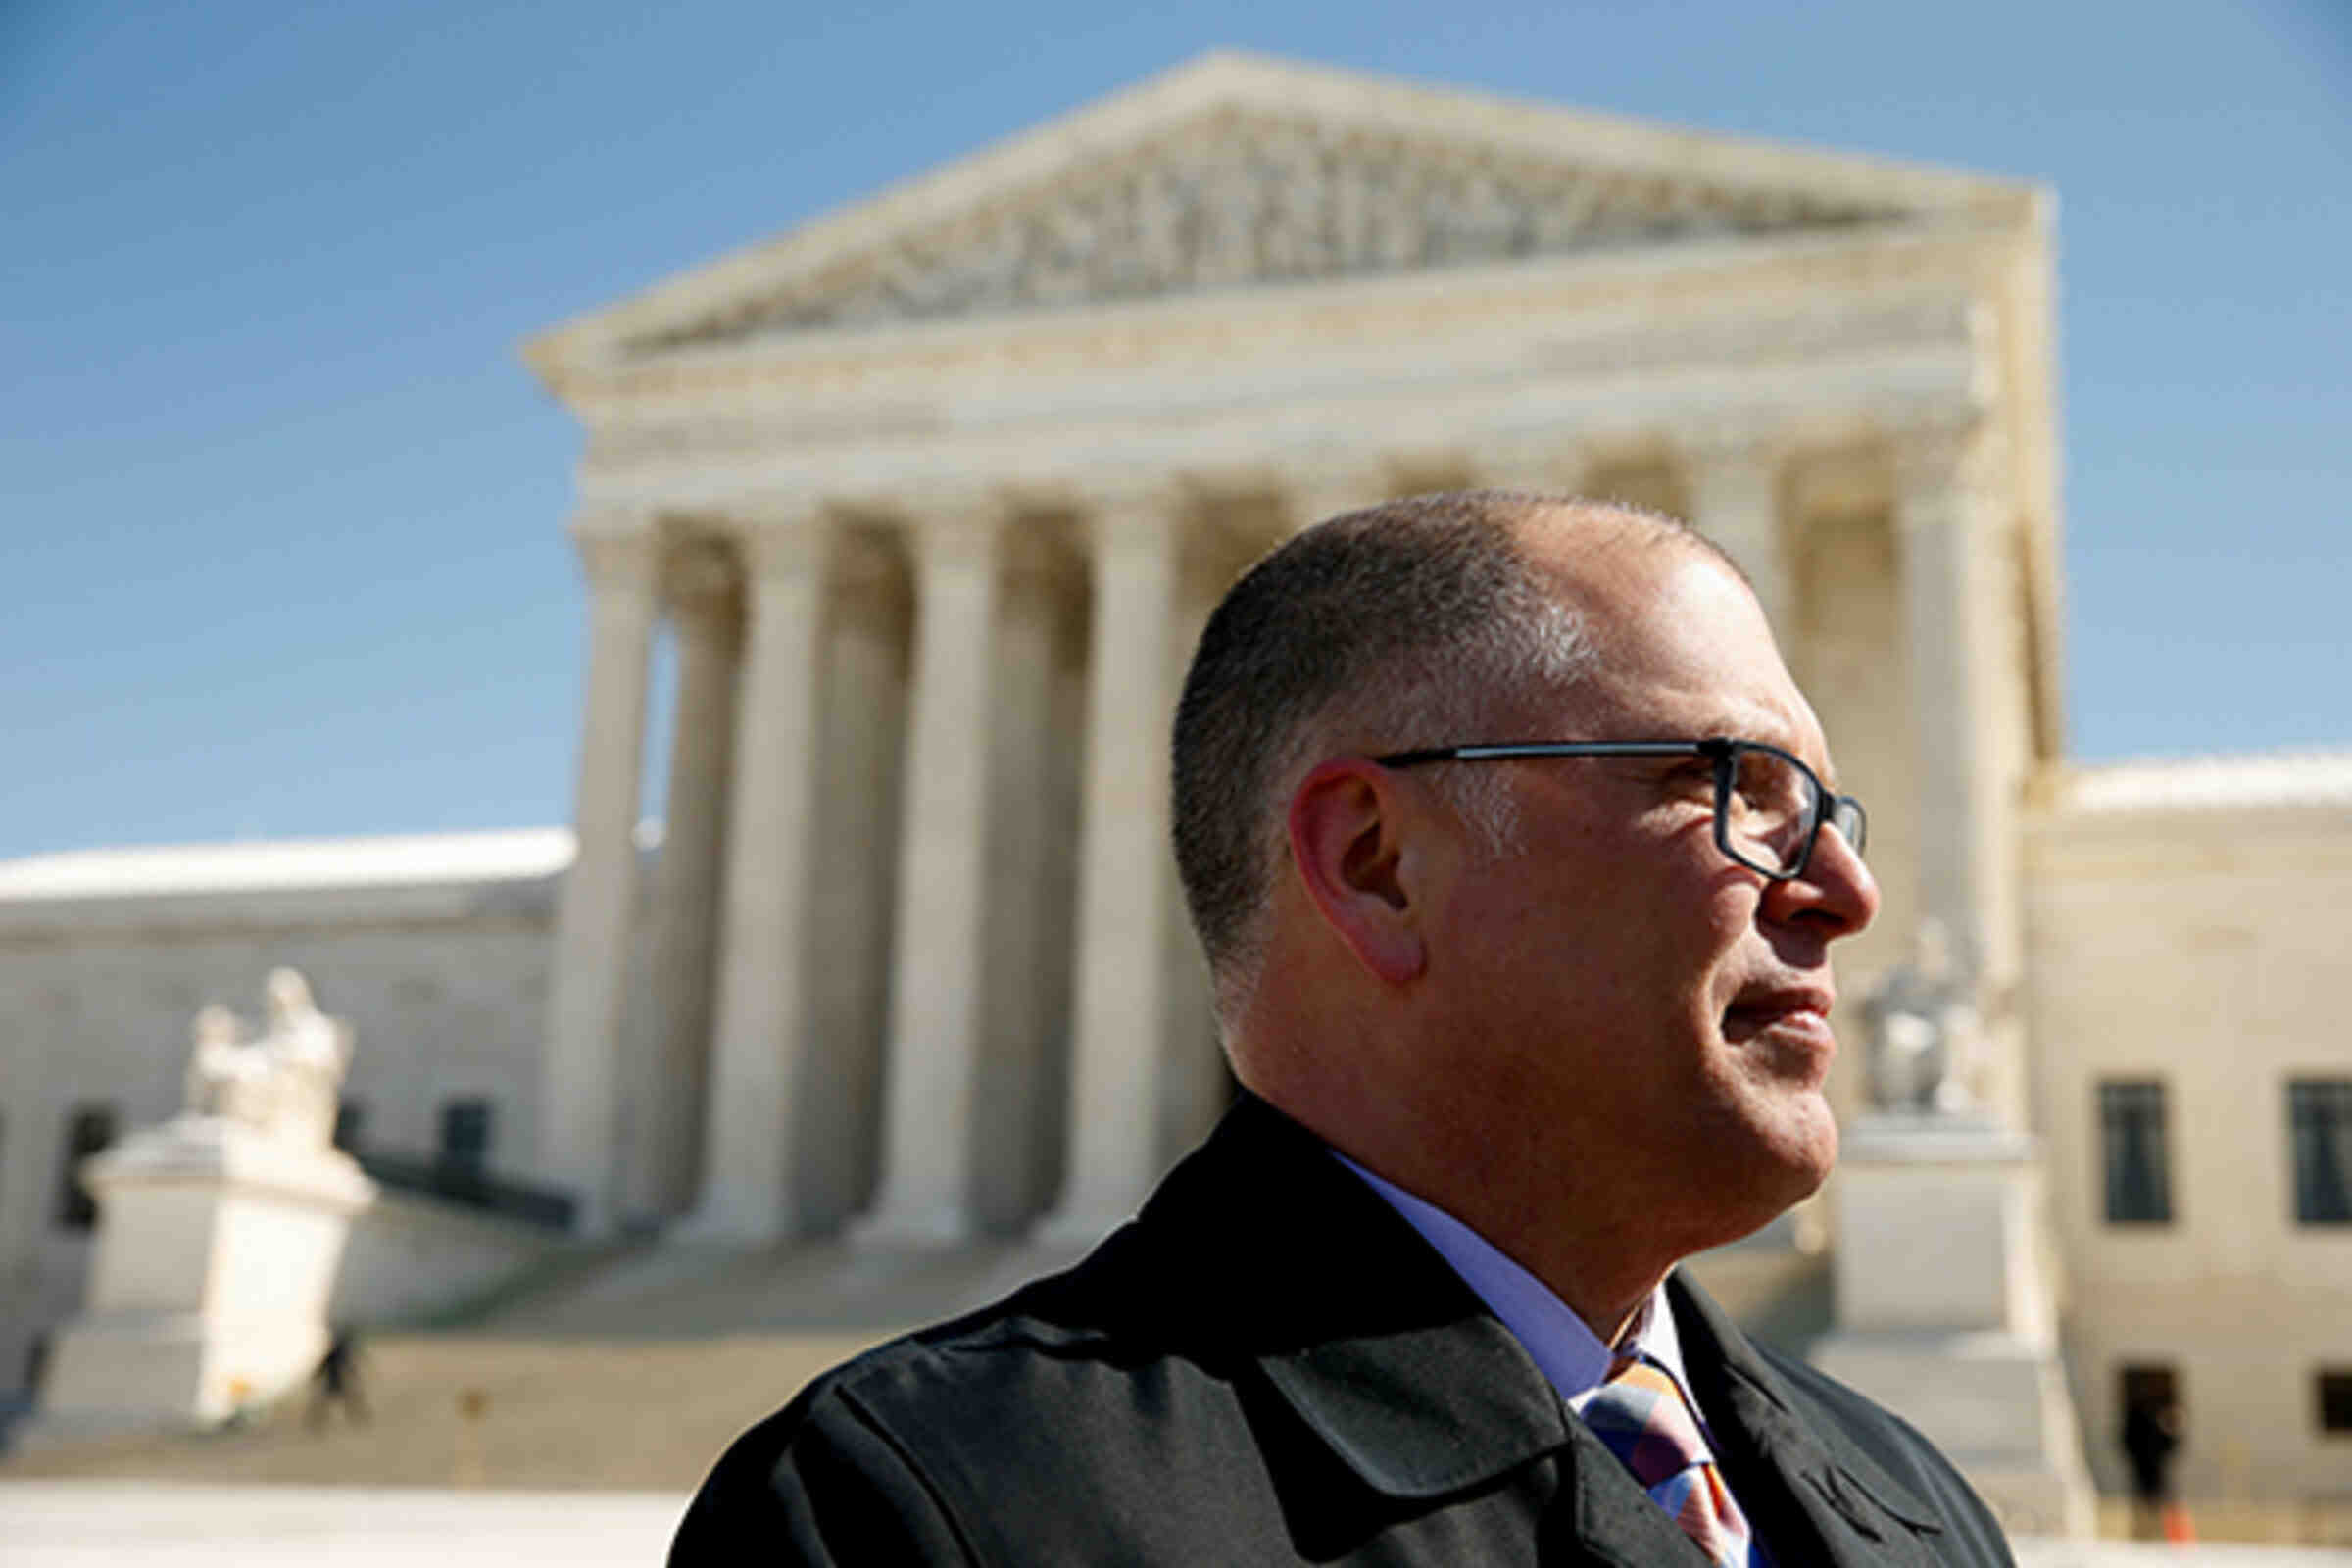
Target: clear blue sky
(283,514)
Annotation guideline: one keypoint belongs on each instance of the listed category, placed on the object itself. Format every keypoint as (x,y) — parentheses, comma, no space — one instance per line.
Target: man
(1518,1027)
(2151,1431)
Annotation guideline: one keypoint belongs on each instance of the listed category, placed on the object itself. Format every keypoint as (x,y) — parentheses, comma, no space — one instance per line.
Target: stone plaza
(88,1524)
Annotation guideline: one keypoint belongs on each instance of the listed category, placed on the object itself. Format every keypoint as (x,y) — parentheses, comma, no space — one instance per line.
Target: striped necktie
(1641,1416)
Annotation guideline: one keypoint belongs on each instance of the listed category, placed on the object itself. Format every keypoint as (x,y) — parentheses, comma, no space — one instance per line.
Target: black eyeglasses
(1769,807)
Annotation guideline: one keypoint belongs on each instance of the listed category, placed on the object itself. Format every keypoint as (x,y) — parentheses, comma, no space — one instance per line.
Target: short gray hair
(1384,629)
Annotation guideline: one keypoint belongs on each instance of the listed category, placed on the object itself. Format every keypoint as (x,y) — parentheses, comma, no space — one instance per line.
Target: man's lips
(1802,1009)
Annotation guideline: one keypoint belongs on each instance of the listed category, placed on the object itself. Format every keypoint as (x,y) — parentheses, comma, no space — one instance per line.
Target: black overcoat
(1269,1365)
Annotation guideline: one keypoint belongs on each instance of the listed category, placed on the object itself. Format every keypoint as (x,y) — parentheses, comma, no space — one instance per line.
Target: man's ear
(1347,838)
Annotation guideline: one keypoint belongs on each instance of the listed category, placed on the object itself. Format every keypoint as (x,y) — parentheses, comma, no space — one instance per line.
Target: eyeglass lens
(1768,810)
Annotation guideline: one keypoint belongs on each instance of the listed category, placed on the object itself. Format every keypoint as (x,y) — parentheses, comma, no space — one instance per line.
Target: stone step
(687,1290)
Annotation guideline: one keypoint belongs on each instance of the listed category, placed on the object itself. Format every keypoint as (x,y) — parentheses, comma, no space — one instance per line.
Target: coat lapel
(1813,1495)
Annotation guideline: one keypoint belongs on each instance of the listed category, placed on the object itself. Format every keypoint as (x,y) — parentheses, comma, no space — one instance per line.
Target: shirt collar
(1561,1345)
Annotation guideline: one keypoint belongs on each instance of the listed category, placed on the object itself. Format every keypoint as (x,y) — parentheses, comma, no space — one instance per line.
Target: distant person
(337,1381)
(2151,1436)
(1518,857)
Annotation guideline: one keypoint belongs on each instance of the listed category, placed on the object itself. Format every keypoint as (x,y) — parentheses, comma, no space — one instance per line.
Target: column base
(716,1226)
(1943,1313)
(1080,1226)
(1996,1406)
(910,1230)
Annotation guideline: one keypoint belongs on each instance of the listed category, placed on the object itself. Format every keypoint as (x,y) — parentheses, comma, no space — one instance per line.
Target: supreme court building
(930,498)
(935,492)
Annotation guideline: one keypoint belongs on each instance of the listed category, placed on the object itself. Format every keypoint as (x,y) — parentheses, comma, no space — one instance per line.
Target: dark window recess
(351,1125)
(2333,1386)
(2319,1123)
(466,1130)
(89,1129)
(457,1169)
(2132,1145)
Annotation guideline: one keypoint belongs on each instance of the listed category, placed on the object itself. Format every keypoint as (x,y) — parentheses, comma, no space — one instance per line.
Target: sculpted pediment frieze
(1240,197)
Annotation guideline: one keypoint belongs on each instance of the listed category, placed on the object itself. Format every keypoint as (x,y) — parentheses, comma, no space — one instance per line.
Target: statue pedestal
(1944,1310)
(216,1255)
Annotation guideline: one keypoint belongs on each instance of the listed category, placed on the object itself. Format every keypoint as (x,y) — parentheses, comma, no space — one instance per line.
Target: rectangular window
(2319,1124)
(88,1130)
(2131,1139)
(2333,1386)
(465,1129)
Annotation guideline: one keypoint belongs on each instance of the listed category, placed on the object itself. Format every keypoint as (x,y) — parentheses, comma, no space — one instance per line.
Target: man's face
(1637,1014)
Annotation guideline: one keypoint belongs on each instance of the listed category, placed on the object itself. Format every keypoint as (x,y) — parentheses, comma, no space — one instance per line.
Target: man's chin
(1805,1153)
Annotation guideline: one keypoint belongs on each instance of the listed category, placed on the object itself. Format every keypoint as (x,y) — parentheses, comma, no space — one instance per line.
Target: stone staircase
(624,1369)
(632,1367)
(630,1370)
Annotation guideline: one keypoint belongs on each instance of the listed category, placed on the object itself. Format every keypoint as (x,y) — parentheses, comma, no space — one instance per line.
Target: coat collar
(1826,1483)
(1292,1265)
(1261,1252)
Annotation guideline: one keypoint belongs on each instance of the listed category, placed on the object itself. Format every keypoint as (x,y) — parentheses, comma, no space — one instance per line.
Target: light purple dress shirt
(1562,1346)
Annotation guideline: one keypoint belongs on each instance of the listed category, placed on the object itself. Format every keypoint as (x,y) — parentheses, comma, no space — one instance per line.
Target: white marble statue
(285,1080)
(1923,1031)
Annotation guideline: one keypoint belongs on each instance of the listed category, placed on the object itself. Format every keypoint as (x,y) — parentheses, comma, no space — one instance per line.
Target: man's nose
(1837,892)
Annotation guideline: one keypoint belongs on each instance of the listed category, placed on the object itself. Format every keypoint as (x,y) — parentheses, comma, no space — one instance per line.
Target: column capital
(1113,514)
(958,529)
(702,587)
(612,518)
(1733,453)
(619,561)
(1941,460)
(1537,459)
(783,546)
(1734,489)
(1312,495)
(1549,460)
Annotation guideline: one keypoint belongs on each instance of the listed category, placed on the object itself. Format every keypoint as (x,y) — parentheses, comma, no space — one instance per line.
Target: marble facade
(2189,920)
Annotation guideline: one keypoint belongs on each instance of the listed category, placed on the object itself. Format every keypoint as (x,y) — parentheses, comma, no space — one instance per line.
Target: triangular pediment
(1237,171)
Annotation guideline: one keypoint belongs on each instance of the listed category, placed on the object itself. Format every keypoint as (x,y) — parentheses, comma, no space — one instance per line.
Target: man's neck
(1572,1352)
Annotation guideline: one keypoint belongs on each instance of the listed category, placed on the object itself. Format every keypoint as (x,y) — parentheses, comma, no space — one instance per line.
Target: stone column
(1735,499)
(759,1047)
(1120,1027)
(1318,494)
(579,1065)
(1950,519)
(937,986)
(1036,737)
(665,1167)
